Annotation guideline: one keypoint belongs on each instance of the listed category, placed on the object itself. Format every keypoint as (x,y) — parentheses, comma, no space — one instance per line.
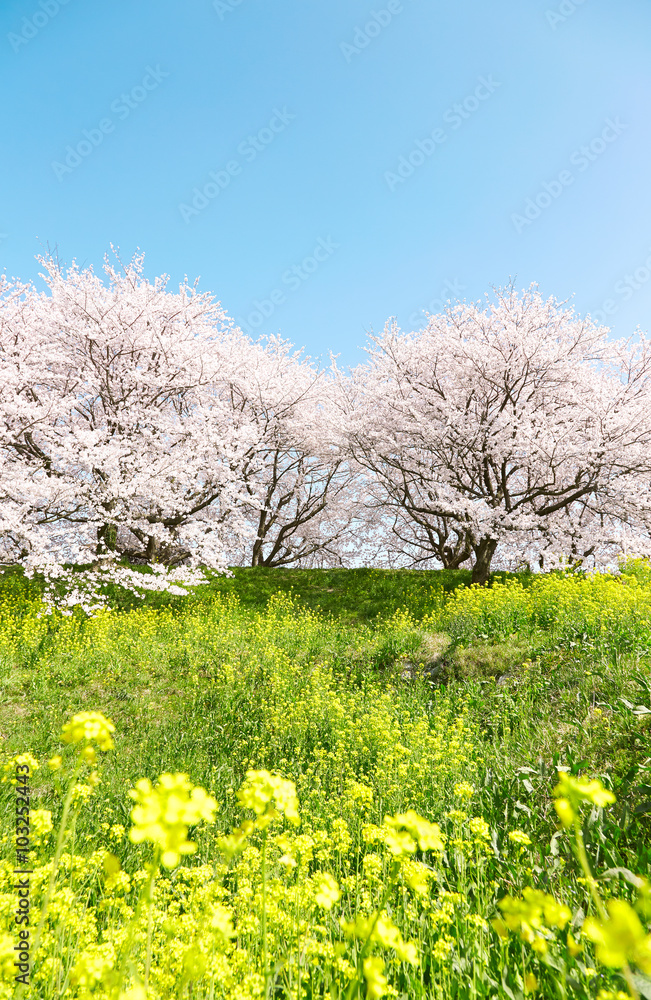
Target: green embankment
(374,692)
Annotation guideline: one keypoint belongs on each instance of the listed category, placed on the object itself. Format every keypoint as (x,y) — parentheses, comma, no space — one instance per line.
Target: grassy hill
(377,694)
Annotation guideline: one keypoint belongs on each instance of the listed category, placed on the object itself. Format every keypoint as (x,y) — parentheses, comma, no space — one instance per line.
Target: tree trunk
(106,539)
(151,552)
(451,556)
(107,535)
(257,556)
(484,552)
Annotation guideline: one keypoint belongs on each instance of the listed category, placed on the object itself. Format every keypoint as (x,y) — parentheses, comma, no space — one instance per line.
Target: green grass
(320,675)
(353,595)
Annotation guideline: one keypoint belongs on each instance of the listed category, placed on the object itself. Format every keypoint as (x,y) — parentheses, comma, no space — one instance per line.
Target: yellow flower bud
(164,812)
(89,726)
(573,946)
(621,938)
(530,982)
(565,812)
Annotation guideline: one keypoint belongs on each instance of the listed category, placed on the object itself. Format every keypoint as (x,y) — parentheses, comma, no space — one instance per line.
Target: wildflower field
(373,784)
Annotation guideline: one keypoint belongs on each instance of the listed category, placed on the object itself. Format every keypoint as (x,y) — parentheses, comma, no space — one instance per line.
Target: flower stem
(596,898)
(146,894)
(395,869)
(150,924)
(264,913)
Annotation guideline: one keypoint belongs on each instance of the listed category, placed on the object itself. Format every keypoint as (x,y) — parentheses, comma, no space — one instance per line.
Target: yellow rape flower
(443,948)
(565,811)
(372,867)
(358,792)
(164,812)
(464,790)
(326,891)
(341,839)
(7,957)
(92,966)
(573,946)
(417,876)
(526,916)
(556,914)
(40,823)
(426,835)
(518,837)
(621,939)
(136,992)
(22,760)
(571,793)
(399,842)
(376,982)
(235,841)
(81,793)
(194,962)
(89,727)
(380,929)
(112,870)
(221,921)
(288,858)
(269,795)
(480,828)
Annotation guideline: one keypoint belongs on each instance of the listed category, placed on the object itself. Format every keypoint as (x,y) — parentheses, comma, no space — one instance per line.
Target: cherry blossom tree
(116,439)
(302,497)
(140,426)
(496,423)
(585,535)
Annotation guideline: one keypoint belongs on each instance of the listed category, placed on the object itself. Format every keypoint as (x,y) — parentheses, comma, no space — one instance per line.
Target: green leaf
(642,985)
(625,873)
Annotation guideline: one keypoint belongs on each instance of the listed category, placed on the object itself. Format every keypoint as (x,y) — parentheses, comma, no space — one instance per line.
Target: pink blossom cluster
(512,429)
(141,427)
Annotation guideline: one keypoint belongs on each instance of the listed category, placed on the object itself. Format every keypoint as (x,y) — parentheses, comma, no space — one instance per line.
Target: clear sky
(322,165)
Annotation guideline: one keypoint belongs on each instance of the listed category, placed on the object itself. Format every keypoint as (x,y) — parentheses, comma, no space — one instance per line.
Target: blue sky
(322,166)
